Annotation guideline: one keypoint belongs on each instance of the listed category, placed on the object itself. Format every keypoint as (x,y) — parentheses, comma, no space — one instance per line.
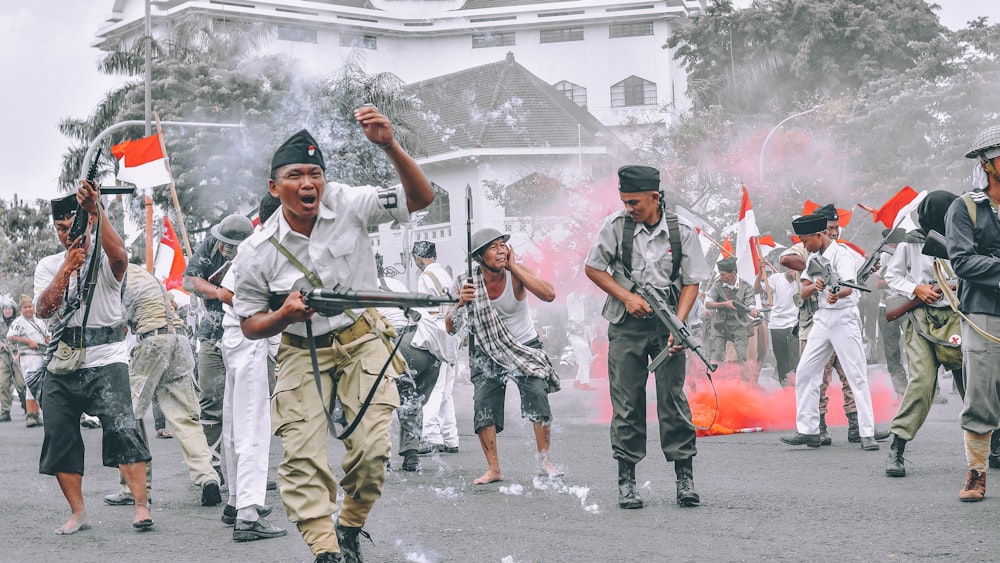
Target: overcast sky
(51,74)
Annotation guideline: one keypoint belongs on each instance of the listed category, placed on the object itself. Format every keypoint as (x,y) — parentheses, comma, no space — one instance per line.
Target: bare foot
(143,519)
(76,522)
(550,470)
(490,476)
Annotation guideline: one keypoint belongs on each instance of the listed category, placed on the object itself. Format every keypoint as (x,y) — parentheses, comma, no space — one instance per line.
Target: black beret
(425,249)
(727,264)
(300,148)
(633,178)
(64,207)
(809,224)
(828,211)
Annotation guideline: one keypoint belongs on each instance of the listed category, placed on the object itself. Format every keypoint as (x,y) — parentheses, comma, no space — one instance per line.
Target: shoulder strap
(628,237)
(437,284)
(313,278)
(971,205)
(675,243)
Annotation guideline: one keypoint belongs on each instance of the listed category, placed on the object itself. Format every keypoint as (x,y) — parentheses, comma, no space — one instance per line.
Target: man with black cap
(202,277)
(661,249)
(440,428)
(321,234)
(972,229)
(732,302)
(507,347)
(836,329)
(100,385)
(931,330)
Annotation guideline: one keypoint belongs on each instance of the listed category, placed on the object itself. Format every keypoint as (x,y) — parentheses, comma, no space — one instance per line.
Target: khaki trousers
(308,486)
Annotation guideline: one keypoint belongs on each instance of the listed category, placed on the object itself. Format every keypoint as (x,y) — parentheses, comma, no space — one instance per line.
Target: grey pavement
(761,501)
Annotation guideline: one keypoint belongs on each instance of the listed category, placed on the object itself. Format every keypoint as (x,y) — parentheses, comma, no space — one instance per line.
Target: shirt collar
(281,229)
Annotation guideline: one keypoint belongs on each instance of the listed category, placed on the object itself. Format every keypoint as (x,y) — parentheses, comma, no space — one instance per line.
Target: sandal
(163,433)
(145,523)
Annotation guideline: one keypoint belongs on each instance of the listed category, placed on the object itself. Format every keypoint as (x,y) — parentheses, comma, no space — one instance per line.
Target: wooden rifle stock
(896,308)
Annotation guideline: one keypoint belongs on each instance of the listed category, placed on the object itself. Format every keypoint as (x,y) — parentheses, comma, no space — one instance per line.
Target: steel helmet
(483,237)
(986,140)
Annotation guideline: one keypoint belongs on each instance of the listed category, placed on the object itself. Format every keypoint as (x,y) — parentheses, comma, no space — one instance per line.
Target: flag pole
(722,249)
(173,188)
(149,233)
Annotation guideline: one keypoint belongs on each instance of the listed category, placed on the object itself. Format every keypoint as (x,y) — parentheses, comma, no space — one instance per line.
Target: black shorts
(103,392)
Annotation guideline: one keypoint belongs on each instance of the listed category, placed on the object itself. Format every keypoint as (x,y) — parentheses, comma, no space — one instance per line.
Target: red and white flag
(895,212)
(169,263)
(747,260)
(843,215)
(142,162)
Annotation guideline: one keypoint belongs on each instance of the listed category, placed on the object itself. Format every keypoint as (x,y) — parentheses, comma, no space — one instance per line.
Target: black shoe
(329,557)
(350,546)
(628,496)
(882,435)
(410,461)
(124,499)
(853,432)
(994,462)
(229,513)
(257,530)
(824,436)
(451,449)
(799,439)
(894,465)
(686,495)
(210,494)
(428,449)
(5,417)
(272,485)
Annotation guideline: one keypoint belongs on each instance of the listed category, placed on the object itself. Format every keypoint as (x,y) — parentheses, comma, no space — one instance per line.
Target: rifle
(822,267)
(216,277)
(468,258)
(330,302)
(682,335)
(868,266)
(82,218)
(896,308)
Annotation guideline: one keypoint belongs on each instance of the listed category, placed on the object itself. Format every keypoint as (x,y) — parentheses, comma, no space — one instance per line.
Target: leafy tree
(26,236)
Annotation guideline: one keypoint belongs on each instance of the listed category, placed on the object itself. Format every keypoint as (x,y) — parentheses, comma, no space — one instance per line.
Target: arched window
(633,91)
(574,92)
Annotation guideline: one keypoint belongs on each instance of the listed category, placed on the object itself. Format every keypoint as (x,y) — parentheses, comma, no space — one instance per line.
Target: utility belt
(344,336)
(156,331)
(79,337)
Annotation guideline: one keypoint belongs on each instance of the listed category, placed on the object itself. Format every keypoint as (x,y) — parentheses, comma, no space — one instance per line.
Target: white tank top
(514,313)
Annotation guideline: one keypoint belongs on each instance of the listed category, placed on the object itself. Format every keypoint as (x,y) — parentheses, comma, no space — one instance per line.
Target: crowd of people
(104,338)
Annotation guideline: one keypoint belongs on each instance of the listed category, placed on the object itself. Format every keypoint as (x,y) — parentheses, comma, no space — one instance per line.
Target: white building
(489,72)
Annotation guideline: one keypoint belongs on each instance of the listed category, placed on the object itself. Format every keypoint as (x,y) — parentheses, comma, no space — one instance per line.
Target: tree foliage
(26,236)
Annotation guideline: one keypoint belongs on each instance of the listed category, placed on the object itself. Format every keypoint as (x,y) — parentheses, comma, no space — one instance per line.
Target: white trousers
(246,417)
(581,353)
(440,426)
(29,363)
(833,330)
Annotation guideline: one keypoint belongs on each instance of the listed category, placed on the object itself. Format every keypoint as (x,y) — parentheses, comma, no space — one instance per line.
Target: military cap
(425,249)
(484,237)
(300,148)
(828,211)
(64,207)
(728,264)
(233,229)
(809,224)
(634,178)
(987,142)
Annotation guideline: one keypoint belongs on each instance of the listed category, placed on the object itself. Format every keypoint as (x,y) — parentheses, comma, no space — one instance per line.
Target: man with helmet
(203,277)
(661,249)
(973,242)
(506,346)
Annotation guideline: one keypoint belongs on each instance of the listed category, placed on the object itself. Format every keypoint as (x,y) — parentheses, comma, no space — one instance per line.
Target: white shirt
(33,329)
(844,264)
(105,307)
(784,313)
(908,268)
(339,251)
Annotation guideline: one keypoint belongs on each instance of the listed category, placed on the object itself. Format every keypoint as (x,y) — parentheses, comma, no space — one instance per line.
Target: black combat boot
(994,459)
(853,433)
(350,546)
(628,496)
(824,436)
(686,495)
(894,465)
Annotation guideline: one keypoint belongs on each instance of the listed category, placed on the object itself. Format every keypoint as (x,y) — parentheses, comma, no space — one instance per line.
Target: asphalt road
(761,501)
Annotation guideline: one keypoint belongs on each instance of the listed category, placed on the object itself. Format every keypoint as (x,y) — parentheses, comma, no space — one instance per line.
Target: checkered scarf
(496,341)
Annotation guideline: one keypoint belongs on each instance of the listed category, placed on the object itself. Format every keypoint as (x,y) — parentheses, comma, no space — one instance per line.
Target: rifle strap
(310,276)
(437,284)
(941,272)
(87,289)
(970,204)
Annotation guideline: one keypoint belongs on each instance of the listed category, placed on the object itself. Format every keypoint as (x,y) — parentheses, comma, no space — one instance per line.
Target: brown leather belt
(344,336)
(156,331)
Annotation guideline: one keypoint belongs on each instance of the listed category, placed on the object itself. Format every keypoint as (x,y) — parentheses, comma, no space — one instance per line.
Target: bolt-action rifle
(819,266)
(658,302)
(331,302)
